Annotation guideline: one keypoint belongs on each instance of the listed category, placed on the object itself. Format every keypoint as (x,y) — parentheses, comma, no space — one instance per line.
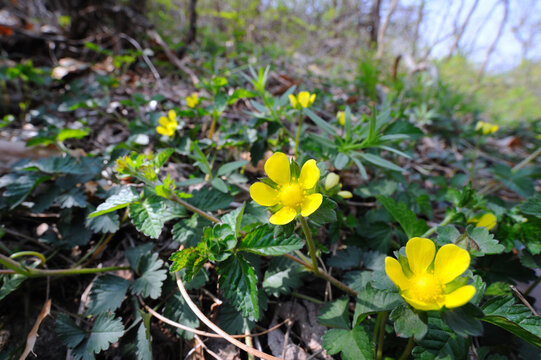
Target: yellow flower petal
(451,261)
(164,121)
(309,174)
(494,128)
(165,131)
(304,98)
(331,180)
(479,125)
(172,115)
(345,194)
(277,168)
(284,216)
(310,204)
(487,220)
(293,100)
(459,297)
(263,194)
(420,253)
(312,99)
(421,305)
(341,116)
(395,273)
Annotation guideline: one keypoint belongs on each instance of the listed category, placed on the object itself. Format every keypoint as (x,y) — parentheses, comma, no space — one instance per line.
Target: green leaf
(352,344)
(515,318)
(408,323)
(381,162)
(234,219)
(346,258)
(262,241)
(372,300)
(107,294)
(341,161)
(190,231)
(144,341)
(463,320)
(440,343)
(178,310)
(239,285)
(123,198)
(282,276)
(149,283)
(18,191)
(107,223)
(65,134)
(481,242)
(10,283)
(228,168)
(73,198)
(147,216)
(335,314)
(219,184)
(210,199)
(532,206)
(322,124)
(405,217)
(106,330)
(325,213)
(162,157)
(68,332)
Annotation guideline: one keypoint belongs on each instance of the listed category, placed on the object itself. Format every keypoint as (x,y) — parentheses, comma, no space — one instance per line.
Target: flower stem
(297,137)
(381,319)
(213,126)
(444,222)
(310,243)
(407,350)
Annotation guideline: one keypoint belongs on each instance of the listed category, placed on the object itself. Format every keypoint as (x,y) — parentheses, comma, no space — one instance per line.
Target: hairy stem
(407,350)
(298,136)
(444,222)
(310,243)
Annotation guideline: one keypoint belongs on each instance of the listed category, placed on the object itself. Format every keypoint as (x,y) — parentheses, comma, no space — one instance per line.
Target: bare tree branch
(496,39)
(458,35)
(381,31)
(420,13)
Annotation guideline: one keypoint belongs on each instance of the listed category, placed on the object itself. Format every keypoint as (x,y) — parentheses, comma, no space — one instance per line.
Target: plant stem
(527,160)
(472,166)
(306,297)
(444,222)
(310,243)
(297,137)
(213,125)
(407,350)
(381,328)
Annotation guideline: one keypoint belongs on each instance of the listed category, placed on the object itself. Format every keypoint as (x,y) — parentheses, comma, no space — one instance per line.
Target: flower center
(291,195)
(426,288)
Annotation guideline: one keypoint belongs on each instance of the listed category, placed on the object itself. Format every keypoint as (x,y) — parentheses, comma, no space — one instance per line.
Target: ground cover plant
(224,208)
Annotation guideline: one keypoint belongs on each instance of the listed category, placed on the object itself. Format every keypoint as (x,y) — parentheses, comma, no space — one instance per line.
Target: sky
(440,15)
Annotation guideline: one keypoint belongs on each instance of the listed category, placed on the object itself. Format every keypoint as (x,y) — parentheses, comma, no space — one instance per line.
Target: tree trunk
(374,23)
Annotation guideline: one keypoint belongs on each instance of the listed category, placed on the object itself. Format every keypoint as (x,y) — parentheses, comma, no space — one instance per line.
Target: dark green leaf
(282,276)
(322,124)
(346,258)
(10,283)
(68,332)
(178,310)
(325,214)
(532,206)
(239,285)
(210,199)
(372,300)
(189,232)
(262,241)
(107,223)
(106,330)
(352,344)
(462,320)
(162,157)
(341,161)
(18,191)
(481,242)
(381,162)
(125,196)
(190,259)
(75,197)
(335,314)
(408,323)
(107,294)
(149,283)
(144,339)
(226,169)
(147,216)
(404,216)
(219,184)
(441,343)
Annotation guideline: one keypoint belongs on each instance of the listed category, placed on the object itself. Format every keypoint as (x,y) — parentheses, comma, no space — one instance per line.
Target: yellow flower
(539,137)
(192,100)
(341,116)
(168,124)
(486,128)
(429,281)
(487,220)
(288,194)
(331,180)
(303,100)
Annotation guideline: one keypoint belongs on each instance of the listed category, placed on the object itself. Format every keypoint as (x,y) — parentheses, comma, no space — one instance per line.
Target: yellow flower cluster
(428,280)
(487,220)
(341,117)
(192,100)
(168,125)
(333,180)
(486,128)
(303,100)
(288,195)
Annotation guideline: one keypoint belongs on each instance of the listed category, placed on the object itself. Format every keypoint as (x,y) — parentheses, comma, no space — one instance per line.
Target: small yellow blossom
(192,100)
(539,137)
(486,128)
(341,117)
(289,196)
(331,180)
(487,220)
(344,194)
(168,124)
(428,280)
(303,100)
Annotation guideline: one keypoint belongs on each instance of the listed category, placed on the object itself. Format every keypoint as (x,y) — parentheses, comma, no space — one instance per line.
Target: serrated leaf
(352,344)
(134,254)
(162,157)
(462,320)
(73,198)
(106,330)
(234,219)
(17,191)
(532,206)
(335,314)
(371,300)
(61,164)
(346,258)
(226,169)
(239,285)
(232,321)
(144,343)
(177,310)
(210,199)
(68,332)
(10,283)
(440,343)
(125,197)
(325,214)
(515,318)
(282,276)
(357,280)
(147,216)
(405,217)
(107,223)
(481,242)
(190,259)
(149,283)
(408,323)
(381,162)
(190,231)
(262,241)
(107,294)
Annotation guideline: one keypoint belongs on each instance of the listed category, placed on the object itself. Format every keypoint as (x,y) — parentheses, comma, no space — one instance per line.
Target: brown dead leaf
(68,66)
(33,335)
